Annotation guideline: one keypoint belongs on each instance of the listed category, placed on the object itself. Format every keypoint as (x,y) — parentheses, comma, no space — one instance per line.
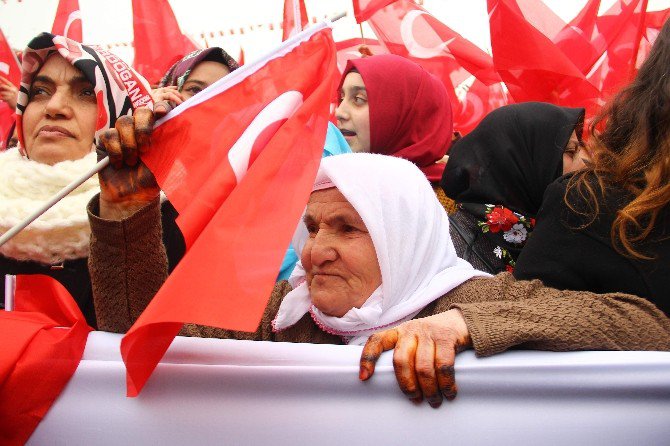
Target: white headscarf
(410,232)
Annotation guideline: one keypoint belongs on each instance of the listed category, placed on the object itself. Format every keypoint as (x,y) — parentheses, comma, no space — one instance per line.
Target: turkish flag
(580,39)
(68,20)
(364,9)
(43,340)
(535,69)
(237,161)
(11,70)
(349,49)
(475,101)
(159,42)
(408,30)
(622,29)
(295,18)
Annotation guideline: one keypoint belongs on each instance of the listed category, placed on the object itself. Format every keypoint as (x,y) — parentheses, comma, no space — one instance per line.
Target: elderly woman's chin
(55,150)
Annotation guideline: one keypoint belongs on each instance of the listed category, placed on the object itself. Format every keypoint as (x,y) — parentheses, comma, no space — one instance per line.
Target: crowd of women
(530,232)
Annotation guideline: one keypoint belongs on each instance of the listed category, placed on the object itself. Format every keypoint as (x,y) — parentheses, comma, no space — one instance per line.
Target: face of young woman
(353,115)
(60,118)
(574,155)
(203,75)
(339,257)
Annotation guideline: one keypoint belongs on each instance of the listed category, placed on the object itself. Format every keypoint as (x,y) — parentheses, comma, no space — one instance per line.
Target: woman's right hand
(165,99)
(8,92)
(126,184)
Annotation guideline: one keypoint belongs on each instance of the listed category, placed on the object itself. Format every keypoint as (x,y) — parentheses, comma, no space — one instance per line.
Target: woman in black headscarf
(498,174)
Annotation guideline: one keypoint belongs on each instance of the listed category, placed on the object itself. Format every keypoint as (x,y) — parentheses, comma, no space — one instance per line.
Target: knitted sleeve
(127,263)
(502,313)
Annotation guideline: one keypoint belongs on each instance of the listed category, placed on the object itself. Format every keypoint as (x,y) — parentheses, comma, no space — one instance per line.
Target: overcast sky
(110,21)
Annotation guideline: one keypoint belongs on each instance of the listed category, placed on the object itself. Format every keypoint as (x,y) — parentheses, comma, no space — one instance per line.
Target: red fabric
(410,112)
(68,20)
(236,232)
(240,59)
(159,42)
(290,26)
(621,28)
(537,70)
(9,69)
(348,49)
(43,342)
(580,40)
(364,9)
(408,30)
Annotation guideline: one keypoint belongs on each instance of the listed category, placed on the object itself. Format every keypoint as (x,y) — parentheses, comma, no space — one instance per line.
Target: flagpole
(79,181)
(53,200)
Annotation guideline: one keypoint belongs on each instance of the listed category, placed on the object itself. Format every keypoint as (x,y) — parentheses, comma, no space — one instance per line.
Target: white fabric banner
(211,391)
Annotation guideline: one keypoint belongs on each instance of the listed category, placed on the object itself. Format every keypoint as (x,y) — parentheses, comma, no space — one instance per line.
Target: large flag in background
(237,161)
(349,49)
(408,30)
(364,9)
(11,70)
(295,18)
(43,340)
(158,41)
(531,65)
(68,21)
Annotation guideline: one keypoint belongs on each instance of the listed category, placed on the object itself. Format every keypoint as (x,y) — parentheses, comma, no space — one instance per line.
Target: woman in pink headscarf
(392,106)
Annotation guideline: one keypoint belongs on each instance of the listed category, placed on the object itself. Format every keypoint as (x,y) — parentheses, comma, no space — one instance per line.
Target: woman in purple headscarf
(192,74)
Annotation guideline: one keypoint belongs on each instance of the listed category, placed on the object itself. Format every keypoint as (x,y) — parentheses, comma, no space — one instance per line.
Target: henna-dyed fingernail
(363,374)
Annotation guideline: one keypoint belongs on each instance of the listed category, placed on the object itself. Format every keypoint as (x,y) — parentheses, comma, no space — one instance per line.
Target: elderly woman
(69,95)
(392,106)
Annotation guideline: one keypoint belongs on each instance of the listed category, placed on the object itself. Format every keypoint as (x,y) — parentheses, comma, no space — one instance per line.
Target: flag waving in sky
(68,20)
(10,70)
(237,161)
(295,18)
(158,41)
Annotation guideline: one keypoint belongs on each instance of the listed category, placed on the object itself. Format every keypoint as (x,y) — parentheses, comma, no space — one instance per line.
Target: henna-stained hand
(126,185)
(165,99)
(424,355)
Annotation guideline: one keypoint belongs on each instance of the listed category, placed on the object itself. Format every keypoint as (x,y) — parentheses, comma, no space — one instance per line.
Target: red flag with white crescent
(43,342)
(158,41)
(295,18)
(10,70)
(237,161)
(68,21)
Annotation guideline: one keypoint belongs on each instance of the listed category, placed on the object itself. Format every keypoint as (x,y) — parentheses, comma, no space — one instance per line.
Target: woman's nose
(341,112)
(58,105)
(322,249)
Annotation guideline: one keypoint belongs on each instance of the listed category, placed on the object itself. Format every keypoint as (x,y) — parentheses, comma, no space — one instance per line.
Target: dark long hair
(633,152)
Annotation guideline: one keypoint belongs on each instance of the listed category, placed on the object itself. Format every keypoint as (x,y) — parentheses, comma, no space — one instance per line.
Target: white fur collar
(63,232)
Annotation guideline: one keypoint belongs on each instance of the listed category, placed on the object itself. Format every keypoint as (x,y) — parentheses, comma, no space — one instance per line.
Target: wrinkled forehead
(326,195)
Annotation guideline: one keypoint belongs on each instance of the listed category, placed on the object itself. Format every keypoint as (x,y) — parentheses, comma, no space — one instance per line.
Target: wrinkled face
(60,118)
(339,257)
(202,76)
(574,155)
(353,115)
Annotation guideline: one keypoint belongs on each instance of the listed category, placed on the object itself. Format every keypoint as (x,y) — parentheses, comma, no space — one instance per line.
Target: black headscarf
(499,172)
(511,157)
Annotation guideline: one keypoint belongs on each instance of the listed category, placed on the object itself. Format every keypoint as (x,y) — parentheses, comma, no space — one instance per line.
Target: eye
(349,229)
(360,100)
(312,229)
(38,91)
(193,90)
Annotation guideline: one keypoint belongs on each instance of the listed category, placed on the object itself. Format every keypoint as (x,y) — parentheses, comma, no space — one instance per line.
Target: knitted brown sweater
(128,265)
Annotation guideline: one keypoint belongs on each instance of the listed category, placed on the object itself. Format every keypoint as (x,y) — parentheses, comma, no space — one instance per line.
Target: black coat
(566,257)
(74,273)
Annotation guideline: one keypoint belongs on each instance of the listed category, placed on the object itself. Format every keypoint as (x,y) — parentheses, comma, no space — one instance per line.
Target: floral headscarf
(119,89)
(181,70)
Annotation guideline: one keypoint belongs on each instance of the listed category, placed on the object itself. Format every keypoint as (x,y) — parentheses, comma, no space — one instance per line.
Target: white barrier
(209,391)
